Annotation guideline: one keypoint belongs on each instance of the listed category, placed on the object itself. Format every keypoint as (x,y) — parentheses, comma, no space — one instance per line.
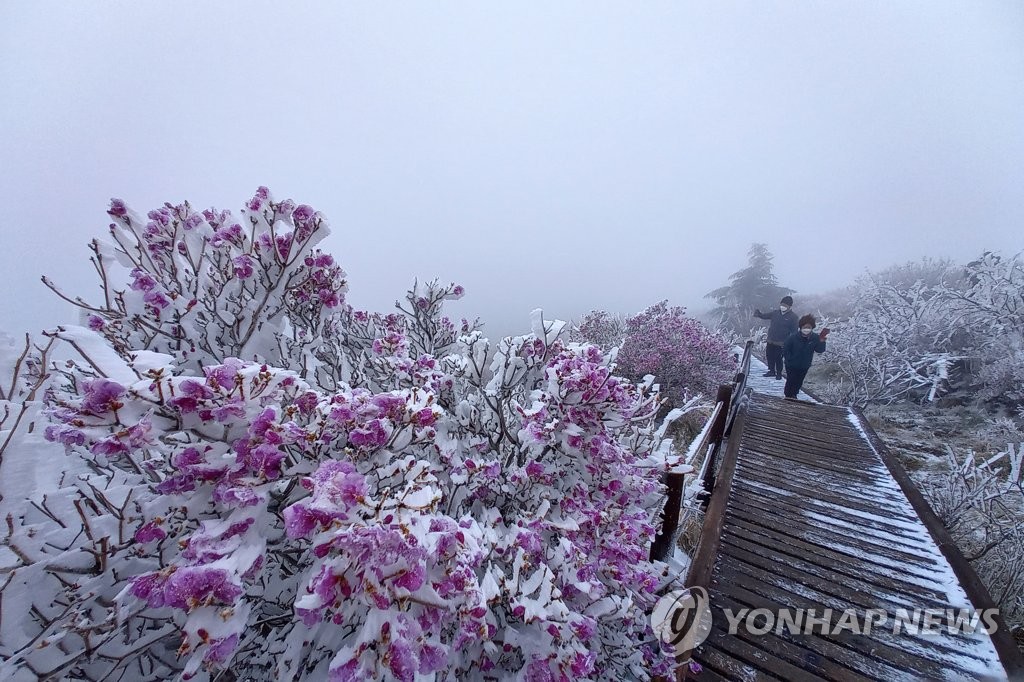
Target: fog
(564,155)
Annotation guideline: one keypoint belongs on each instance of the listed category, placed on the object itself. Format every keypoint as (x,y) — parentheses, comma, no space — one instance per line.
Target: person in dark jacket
(798,352)
(782,324)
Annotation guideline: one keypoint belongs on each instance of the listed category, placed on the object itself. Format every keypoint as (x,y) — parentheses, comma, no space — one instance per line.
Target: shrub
(262,479)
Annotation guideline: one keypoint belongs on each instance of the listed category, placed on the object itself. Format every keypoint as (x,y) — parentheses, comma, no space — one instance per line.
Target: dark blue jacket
(781,326)
(798,350)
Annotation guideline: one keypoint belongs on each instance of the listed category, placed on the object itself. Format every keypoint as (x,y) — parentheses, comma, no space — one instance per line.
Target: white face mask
(805,332)
(783,308)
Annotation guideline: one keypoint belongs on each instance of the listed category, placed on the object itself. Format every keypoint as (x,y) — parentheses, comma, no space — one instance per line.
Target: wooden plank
(804,515)
(858,471)
(822,656)
(729,667)
(925,654)
(857,593)
(1002,639)
(813,538)
(699,574)
(669,515)
(816,468)
(827,500)
(841,445)
(808,507)
(860,496)
(826,566)
(861,654)
(766,660)
(825,534)
(811,432)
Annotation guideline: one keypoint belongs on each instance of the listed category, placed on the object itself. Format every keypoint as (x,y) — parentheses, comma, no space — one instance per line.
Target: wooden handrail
(676,480)
(710,438)
(740,383)
(708,470)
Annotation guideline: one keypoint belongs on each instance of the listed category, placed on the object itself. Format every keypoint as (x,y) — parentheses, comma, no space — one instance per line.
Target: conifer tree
(755,286)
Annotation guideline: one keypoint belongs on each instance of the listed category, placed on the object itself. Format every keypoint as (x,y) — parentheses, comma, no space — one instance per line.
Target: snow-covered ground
(768,385)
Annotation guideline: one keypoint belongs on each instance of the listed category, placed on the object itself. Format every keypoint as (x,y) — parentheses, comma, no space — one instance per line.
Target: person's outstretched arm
(763,316)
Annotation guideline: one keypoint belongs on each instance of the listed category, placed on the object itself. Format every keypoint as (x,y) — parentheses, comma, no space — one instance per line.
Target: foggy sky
(563,155)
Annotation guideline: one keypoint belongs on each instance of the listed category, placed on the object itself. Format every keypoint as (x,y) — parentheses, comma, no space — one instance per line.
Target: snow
(144,361)
(678,563)
(30,463)
(941,577)
(546,330)
(768,385)
(692,451)
(98,353)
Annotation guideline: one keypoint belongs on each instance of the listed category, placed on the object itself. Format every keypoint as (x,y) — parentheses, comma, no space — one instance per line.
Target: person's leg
(776,366)
(794,381)
(769,358)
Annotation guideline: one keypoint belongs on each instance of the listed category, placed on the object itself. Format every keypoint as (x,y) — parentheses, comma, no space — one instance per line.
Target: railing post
(718,428)
(674,481)
(670,516)
(715,437)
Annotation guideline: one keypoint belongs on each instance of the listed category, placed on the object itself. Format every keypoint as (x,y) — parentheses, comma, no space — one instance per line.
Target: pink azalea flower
(149,532)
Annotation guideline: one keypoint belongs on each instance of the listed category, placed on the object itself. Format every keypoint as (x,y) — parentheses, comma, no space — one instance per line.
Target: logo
(952,621)
(682,619)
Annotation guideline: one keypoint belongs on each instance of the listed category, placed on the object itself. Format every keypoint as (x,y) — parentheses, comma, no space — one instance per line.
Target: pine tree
(755,286)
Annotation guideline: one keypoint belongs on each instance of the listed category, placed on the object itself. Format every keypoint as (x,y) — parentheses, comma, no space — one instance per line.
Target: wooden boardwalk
(811,512)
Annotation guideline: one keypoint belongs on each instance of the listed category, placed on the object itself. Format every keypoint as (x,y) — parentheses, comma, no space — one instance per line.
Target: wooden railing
(702,456)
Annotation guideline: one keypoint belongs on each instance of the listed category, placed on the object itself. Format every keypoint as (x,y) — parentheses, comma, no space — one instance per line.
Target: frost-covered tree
(980,499)
(205,285)
(603,329)
(924,329)
(989,300)
(897,345)
(261,479)
(22,375)
(755,286)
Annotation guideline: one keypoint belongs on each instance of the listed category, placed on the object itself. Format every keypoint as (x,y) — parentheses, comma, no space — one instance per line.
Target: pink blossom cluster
(206,285)
(394,498)
(684,356)
(323,284)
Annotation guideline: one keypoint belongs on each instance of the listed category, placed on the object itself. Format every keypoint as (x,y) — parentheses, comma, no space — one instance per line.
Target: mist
(568,157)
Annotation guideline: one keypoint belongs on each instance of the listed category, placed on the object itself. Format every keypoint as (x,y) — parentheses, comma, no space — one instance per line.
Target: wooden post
(718,428)
(715,436)
(670,517)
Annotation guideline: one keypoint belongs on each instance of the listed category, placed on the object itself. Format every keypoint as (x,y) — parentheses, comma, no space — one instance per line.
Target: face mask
(783,308)
(805,332)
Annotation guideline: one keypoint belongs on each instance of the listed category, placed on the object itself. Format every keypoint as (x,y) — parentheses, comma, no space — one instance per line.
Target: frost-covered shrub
(916,330)
(600,328)
(337,494)
(681,353)
(899,344)
(981,501)
(1002,376)
(205,285)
